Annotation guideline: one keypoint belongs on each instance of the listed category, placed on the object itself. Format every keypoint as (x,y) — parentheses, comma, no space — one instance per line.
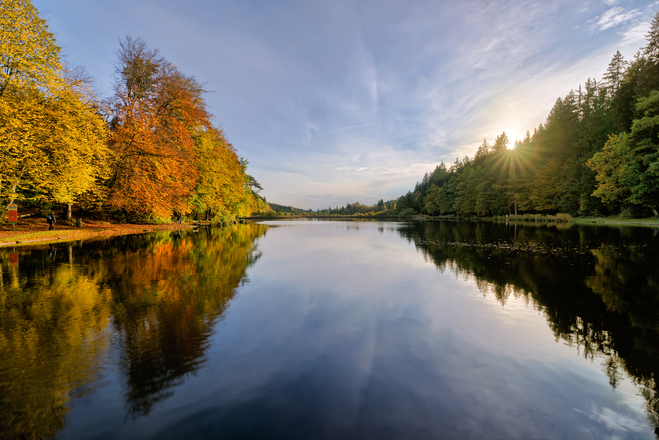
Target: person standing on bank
(50,218)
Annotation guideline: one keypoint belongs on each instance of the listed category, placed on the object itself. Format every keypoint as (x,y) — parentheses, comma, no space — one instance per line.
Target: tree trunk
(68,211)
(654,211)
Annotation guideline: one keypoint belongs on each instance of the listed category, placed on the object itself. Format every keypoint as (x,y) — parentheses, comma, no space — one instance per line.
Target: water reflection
(597,287)
(154,298)
(343,332)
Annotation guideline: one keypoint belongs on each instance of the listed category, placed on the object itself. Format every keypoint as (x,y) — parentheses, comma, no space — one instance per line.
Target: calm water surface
(327,330)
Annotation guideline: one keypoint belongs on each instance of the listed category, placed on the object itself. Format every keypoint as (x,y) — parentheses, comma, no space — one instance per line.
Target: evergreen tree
(652,48)
(615,73)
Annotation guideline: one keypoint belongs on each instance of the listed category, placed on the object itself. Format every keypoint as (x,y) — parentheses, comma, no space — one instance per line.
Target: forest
(147,153)
(596,154)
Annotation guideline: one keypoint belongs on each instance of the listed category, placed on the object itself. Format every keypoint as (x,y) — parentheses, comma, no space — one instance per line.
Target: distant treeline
(596,154)
(147,151)
(288,209)
(358,208)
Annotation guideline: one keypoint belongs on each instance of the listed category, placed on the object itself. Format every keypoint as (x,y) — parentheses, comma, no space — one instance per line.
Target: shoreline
(599,221)
(28,237)
(37,233)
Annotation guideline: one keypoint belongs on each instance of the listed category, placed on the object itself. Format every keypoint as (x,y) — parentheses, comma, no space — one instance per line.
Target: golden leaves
(29,56)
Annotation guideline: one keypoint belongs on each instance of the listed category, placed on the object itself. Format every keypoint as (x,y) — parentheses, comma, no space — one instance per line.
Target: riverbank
(35,231)
(31,231)
(617,221)
(530,220)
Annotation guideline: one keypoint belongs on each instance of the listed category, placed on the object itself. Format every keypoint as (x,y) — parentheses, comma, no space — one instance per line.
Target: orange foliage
(156,111)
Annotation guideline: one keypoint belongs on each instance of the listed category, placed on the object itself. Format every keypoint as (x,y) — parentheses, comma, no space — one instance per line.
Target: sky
(339,101)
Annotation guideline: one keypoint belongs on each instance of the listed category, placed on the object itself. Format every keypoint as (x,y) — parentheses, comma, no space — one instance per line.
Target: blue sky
(342,101)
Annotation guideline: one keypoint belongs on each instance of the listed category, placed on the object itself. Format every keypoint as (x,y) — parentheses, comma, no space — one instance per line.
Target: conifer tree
(615,73)
(652,49)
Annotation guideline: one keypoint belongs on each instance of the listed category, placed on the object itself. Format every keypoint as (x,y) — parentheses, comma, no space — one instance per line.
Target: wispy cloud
(614,17)
(636,34)
(337,101)
(358,169)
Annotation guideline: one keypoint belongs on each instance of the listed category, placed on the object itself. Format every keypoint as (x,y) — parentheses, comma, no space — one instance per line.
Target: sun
(514,138)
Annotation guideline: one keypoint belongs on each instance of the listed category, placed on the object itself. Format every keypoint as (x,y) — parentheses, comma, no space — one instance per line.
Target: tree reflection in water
(597,287)
(155,297)
(152,302)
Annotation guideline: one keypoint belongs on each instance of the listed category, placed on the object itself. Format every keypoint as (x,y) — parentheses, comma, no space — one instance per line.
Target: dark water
(319,330)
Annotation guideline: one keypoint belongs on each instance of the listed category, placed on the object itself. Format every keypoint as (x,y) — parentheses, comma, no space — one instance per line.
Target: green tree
(611,166)
(652,48)
(645,138)
(615,73)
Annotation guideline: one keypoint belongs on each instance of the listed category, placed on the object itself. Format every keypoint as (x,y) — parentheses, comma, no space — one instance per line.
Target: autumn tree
(54,145)
(75,145)
(22,127)
(156,112)
(222,185)
(29,67)
(29,55)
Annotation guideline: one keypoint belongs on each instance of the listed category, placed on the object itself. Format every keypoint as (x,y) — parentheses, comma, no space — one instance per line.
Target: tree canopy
(149,150)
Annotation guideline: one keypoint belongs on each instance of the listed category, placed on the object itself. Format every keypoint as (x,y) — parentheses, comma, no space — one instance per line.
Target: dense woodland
(596,154)
(147,152)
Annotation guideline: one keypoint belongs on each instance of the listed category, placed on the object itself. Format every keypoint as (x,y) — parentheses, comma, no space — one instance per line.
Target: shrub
(407,212)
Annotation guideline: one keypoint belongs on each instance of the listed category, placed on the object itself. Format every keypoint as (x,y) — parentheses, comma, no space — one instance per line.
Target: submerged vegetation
(148,151)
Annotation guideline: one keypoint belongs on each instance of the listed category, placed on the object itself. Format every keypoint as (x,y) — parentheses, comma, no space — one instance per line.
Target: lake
(334,330)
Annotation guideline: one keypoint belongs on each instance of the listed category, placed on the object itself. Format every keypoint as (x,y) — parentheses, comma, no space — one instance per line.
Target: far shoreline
(36,234)
(598,221)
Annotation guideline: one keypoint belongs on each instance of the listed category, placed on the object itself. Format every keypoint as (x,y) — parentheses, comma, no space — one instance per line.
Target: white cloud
(614,17)
(636,34)
(358,169)
(332,101)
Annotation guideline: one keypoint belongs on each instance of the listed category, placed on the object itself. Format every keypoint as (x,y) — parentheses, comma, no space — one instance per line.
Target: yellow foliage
(29,56)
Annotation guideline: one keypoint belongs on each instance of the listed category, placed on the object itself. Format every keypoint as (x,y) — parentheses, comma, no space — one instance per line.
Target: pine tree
(615,73)
(652,49)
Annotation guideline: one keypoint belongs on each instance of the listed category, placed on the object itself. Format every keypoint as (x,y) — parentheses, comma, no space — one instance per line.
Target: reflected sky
(351,330)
